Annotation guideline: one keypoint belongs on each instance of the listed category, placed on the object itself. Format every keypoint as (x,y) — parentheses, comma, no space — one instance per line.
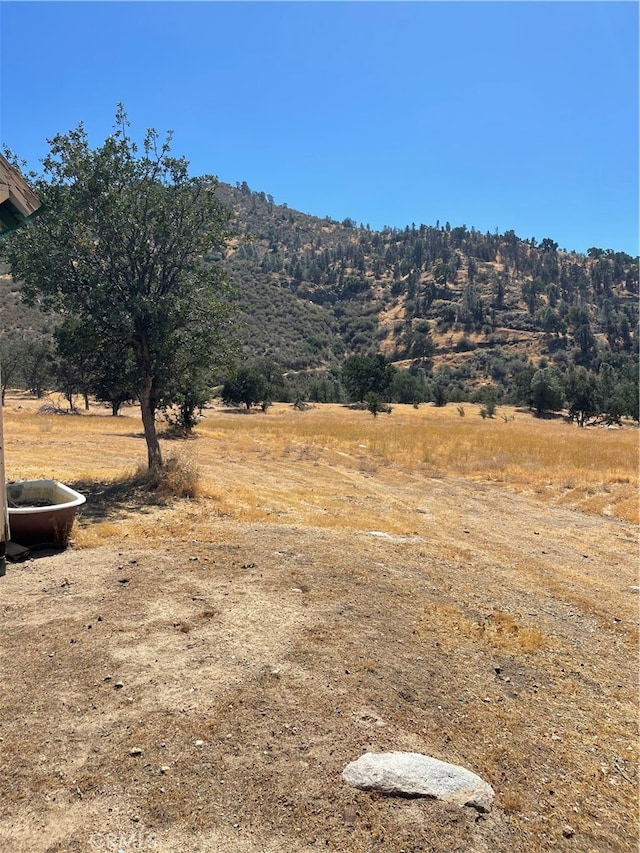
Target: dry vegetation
(446,584)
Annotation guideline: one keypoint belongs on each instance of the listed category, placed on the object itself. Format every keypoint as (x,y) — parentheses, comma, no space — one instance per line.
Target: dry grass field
(193,674)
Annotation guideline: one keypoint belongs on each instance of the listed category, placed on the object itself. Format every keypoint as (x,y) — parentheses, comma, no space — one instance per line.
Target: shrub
(177,478)
(488,396)
(376,405)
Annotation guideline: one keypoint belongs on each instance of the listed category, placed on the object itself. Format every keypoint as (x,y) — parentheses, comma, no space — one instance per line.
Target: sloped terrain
(194,676)
(475,305)
(456,304)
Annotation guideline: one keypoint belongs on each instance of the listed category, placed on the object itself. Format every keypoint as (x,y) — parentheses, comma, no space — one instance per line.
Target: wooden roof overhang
(18,202)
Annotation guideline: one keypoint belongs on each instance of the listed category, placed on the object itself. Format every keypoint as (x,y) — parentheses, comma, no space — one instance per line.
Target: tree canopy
(247,385)
(120,251)
(547,393)
(364,374)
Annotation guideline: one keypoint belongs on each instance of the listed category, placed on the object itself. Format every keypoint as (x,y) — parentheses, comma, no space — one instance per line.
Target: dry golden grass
(498,631)
(595,470)
(421,581)
(591,469)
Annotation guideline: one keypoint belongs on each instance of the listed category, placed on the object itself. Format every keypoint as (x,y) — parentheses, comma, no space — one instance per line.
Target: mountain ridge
(453,305)
(475,305)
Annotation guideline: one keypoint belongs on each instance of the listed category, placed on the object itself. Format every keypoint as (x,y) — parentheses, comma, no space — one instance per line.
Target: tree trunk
(148,408)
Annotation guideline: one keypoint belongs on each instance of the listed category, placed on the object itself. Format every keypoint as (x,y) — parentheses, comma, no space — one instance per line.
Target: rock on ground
(410,774)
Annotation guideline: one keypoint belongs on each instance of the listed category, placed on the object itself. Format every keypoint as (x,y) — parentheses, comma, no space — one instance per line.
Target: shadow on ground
(115,499)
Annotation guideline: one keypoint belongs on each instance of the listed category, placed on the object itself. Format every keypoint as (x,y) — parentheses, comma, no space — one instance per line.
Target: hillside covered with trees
(459,314)
(456,308)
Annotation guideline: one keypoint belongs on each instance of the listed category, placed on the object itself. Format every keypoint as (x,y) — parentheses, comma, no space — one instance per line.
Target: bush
(488,396)
(376,405)
(177,478)
(439,395)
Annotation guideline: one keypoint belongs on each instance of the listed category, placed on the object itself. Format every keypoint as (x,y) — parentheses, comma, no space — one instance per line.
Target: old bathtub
(41,511)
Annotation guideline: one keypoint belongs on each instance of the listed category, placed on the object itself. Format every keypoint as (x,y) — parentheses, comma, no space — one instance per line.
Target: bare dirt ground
(200,687)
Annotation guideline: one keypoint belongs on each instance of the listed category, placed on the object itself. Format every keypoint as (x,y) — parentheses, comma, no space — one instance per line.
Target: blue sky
(519,115)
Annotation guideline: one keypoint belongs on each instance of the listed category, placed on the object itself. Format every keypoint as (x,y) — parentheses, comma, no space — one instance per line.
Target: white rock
(410,774)
(394,538)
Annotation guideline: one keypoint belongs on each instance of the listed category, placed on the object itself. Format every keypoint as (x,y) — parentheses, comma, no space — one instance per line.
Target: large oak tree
(120,247)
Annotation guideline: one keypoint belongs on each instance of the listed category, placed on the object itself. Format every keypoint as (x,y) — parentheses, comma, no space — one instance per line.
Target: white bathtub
(41,511)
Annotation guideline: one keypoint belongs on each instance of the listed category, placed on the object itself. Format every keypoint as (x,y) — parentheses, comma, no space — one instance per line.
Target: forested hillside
(455,307)
(463,306)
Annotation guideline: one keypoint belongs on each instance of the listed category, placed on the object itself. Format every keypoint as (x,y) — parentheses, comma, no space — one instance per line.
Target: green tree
(522,385)
(595,252)
(488,396)
(107,372)
(618,389)
(272,372)
(192,382)
(439,394)
(364,374)
(443,274)
(548,245)
(405,388)
(530,293)
(38,365)
(247,385)
(13,349)
(120,247)
(416,342)
(582,394)
(586,345)
(547,394)
(116,387)
(76,359)
(552,323)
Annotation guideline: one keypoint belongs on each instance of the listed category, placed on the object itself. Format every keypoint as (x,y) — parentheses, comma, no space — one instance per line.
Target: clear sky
(507,115)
